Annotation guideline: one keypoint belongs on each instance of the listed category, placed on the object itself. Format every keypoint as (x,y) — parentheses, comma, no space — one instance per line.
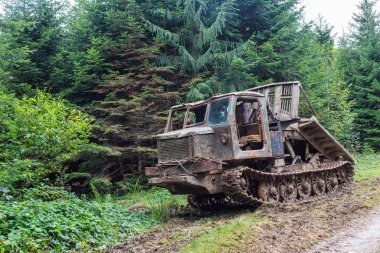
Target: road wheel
(303,187)
(331,182)
(268,191)
(319,185)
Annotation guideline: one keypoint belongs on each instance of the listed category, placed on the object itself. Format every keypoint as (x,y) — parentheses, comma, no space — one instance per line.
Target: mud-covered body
(259,129)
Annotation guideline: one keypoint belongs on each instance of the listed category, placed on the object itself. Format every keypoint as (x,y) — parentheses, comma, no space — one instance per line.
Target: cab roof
(201,102)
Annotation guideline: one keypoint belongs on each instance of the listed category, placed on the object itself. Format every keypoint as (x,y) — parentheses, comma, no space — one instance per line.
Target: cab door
(219,119)
(252,128)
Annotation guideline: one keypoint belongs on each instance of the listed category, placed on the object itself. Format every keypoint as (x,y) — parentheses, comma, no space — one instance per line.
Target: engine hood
(186,132)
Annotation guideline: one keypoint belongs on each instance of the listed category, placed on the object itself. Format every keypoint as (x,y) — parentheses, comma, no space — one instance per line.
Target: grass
(158,200)
(226,237)
(367,167)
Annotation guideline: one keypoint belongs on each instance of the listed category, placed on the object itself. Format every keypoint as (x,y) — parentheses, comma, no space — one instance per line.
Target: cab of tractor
(204,138)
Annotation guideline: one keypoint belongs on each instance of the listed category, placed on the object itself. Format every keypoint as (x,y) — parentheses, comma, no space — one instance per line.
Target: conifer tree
(33,29)
(204,35)
(114,78)
(359,59)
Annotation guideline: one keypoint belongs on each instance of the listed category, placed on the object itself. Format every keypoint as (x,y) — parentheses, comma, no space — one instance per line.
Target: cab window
(177,119)
(196,115)
(218,112)
(248,122)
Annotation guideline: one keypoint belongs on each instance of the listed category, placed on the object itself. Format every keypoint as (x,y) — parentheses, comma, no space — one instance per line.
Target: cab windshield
(218,112)
(193,116)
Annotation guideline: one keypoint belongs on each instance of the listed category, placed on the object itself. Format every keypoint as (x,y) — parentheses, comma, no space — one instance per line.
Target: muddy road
(362,235)
(314,227)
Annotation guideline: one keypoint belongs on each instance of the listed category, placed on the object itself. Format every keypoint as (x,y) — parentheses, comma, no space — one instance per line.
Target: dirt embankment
(290,228)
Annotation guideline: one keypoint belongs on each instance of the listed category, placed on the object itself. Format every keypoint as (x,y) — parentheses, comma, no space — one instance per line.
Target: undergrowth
(50,219)
(159,201)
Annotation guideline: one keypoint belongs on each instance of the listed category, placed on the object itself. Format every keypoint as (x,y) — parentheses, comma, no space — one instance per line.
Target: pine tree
(359,59)
(270,30)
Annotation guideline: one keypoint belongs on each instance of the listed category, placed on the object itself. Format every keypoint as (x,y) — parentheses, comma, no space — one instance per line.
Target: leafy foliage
(38,135)
(48,218)
(66,224)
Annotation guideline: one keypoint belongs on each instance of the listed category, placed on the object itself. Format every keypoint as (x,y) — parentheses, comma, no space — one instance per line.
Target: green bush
(37,136)
(159,201)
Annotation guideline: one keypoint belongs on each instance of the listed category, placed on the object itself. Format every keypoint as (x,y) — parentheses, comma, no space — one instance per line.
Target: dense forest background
(85,87)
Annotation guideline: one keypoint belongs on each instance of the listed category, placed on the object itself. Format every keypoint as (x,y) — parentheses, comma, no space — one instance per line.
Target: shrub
(37,136)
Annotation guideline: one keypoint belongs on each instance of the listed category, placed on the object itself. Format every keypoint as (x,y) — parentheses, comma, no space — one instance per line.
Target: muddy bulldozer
(250,147)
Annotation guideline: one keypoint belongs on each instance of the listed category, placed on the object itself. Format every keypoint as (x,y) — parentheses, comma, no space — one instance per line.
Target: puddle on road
(363,235)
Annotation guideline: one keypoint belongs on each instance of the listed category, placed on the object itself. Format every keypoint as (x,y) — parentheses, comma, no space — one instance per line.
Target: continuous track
(252,187)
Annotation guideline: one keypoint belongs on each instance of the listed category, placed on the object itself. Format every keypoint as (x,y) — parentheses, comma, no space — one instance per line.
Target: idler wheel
(303,187)
(331,182)
(268,192)
(319,185)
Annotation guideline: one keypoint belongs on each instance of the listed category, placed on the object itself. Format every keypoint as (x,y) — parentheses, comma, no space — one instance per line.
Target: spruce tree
(34,29)
(112,59)
(205,34)
(359,59)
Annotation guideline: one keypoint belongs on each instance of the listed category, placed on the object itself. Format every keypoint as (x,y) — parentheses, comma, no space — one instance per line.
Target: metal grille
(174,149)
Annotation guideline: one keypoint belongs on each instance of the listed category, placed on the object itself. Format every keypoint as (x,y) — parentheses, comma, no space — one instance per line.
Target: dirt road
(362,235)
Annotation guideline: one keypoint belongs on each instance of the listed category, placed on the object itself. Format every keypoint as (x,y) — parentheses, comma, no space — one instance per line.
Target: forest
(86,86)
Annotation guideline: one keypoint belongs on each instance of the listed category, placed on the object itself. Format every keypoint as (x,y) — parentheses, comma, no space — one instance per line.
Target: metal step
(323,141)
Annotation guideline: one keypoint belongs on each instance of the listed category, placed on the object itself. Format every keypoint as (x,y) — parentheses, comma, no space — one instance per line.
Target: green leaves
(38,135)
(66,224)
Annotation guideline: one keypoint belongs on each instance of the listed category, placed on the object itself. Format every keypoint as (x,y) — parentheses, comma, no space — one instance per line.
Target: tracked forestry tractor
(250,147)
